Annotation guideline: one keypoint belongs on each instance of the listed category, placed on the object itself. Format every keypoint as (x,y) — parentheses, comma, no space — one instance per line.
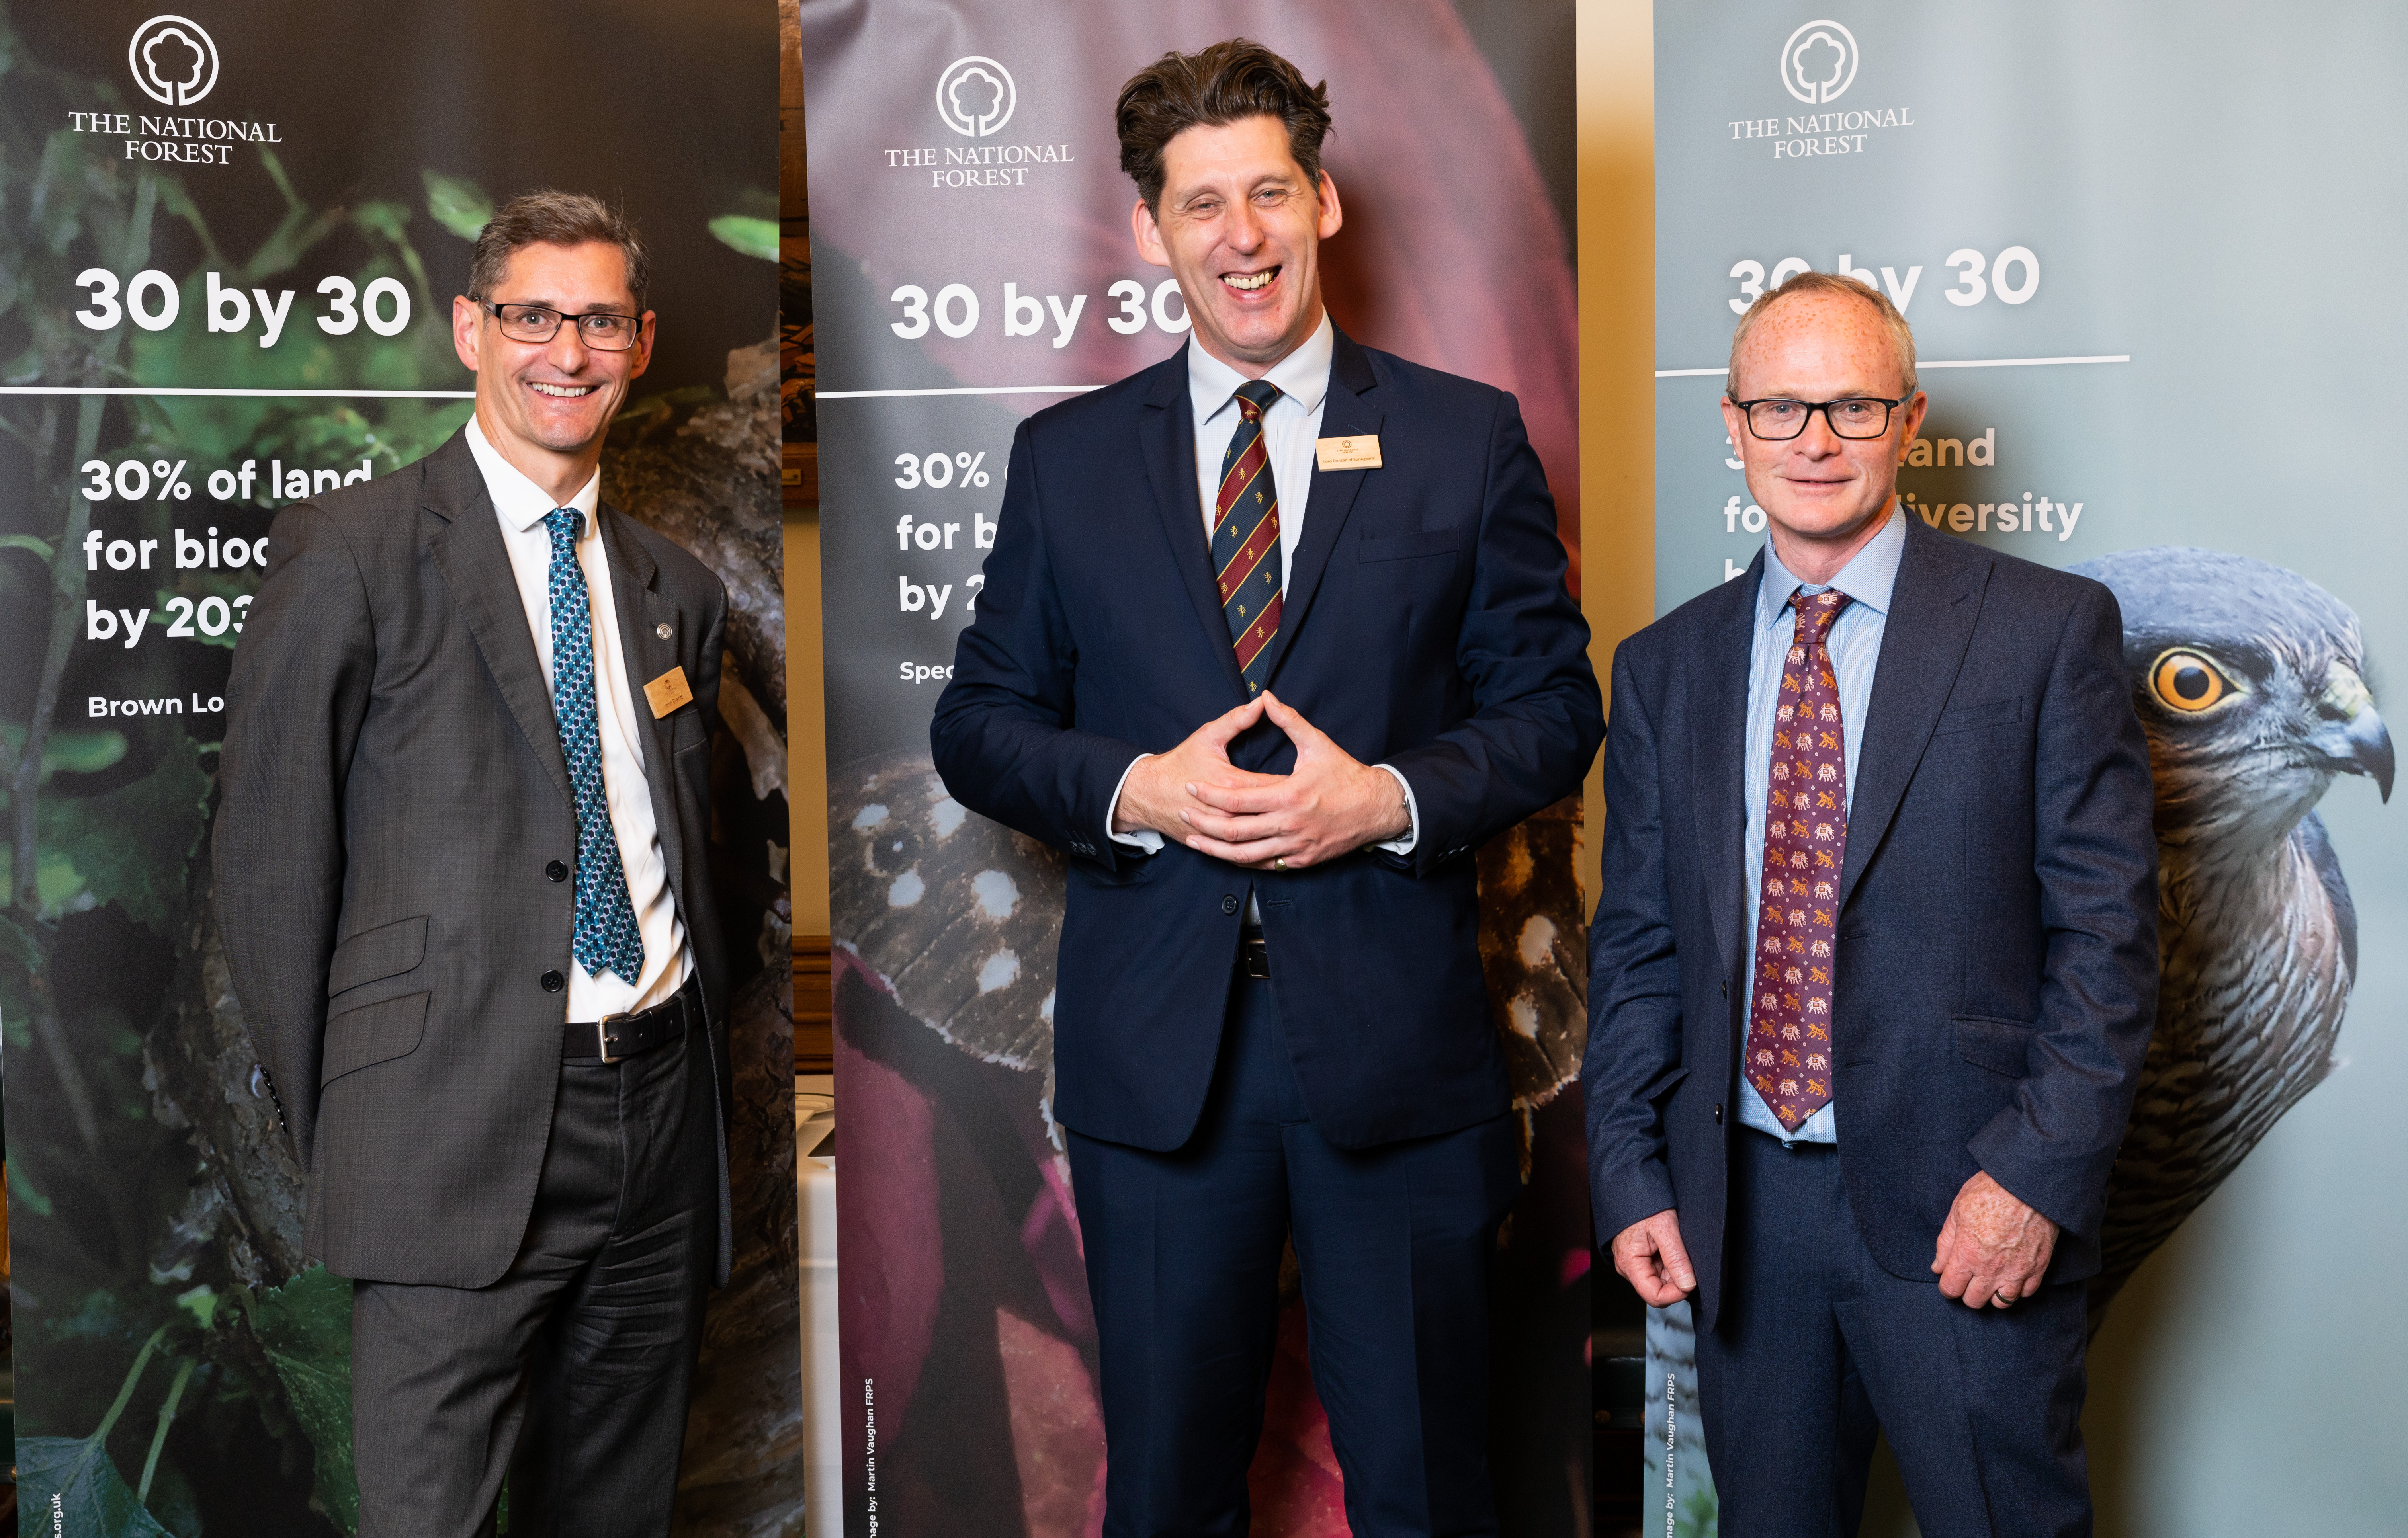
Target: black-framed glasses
(599,330)
(1777,421)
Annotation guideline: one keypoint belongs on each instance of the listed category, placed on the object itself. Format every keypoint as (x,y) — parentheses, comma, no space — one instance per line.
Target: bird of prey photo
(2251,683)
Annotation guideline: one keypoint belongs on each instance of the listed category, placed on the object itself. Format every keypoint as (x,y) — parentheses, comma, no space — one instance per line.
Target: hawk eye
(2188,682)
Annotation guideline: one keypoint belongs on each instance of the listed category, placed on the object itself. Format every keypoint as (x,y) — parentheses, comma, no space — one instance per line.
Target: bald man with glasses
(1875,967)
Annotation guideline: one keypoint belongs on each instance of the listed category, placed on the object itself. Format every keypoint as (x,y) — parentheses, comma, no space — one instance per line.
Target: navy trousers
(1394,1243)
(1817,1349)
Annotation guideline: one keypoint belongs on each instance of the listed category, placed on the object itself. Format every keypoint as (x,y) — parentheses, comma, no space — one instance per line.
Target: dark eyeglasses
(599,330)
(1858,417)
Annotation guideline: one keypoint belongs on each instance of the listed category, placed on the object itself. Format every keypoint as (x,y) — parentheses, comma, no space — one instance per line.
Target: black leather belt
(618,1036)
(1253,955)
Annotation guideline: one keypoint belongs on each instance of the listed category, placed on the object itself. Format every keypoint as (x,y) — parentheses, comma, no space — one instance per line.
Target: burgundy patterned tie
(1805,844)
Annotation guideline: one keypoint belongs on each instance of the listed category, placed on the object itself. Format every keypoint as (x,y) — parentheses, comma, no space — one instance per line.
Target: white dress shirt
(1855,642)
(1290,430)
(521,506)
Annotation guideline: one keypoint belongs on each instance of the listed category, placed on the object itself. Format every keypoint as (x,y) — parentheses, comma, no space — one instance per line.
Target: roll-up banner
(972,264)
(229,243)
(2137,245)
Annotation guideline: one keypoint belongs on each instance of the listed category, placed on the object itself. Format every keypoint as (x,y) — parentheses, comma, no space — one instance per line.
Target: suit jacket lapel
(476,566)
(641,611)
(1933,605)
(1344,414)
(1167,434)
(1721,760)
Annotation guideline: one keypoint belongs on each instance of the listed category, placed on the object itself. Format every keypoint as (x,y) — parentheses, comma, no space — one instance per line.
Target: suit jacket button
(553,982)
(556,872)
(1229,904)
(1718,1113)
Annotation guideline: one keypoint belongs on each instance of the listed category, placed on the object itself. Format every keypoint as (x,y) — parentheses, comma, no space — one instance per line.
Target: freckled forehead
(1819,348)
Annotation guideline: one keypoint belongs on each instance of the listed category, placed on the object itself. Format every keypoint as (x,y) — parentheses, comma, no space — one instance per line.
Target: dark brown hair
(549,218)
(1216,86)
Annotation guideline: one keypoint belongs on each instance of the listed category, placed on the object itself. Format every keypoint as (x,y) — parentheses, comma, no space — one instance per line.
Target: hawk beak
(2371,748)
(2346,701)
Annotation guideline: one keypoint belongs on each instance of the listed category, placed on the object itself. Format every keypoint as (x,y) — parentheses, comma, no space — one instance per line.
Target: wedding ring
(2002,1300)
(1279,864)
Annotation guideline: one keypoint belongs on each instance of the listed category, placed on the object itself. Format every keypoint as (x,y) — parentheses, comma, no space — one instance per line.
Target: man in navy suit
(1274,635)
(1874,966)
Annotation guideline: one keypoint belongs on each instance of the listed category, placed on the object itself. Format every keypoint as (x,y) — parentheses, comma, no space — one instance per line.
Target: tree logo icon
(173,60)
(975,96)
(1819,62)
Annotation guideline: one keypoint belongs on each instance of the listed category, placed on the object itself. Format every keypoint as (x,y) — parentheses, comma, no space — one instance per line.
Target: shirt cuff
(1145,839)
(1412,835)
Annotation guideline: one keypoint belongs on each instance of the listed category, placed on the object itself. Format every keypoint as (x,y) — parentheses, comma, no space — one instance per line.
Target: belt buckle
(602,1036)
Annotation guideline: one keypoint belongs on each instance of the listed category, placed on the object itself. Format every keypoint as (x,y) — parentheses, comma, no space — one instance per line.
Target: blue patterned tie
(607,938)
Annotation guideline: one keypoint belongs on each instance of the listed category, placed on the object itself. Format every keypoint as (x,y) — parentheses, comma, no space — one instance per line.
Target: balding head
(1827,296)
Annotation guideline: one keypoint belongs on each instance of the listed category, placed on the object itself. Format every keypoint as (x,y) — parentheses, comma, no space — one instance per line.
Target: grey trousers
(570,1374)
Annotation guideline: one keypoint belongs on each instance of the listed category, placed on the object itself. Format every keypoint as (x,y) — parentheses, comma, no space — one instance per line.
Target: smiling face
(1241,227)
(1823,493)
(545,406)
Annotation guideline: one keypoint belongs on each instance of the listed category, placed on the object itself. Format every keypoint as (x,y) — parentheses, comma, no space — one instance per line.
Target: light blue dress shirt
(1855,645)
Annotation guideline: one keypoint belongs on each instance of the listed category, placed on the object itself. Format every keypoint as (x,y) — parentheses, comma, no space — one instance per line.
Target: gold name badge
(1348,453)
(668,692)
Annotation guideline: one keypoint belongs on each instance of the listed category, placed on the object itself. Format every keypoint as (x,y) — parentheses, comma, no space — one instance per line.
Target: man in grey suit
(461,875)
(1874,968)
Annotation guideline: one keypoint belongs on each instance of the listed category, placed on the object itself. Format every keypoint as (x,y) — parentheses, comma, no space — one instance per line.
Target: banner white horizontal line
(973,390)
(314,394)
(1932,362)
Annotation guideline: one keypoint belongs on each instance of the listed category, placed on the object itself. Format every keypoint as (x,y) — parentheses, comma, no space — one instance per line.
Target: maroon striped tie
(1246,537)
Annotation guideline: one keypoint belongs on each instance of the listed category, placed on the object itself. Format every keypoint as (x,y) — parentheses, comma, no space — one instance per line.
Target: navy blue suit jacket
(1998,930)
(1427,626)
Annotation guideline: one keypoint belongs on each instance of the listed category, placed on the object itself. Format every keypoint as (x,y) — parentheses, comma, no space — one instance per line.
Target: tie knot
(565,523)
(1254,397)
(1815,613)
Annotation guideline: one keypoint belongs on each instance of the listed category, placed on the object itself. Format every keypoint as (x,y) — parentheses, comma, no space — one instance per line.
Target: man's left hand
(1993,1250)
(1327,805)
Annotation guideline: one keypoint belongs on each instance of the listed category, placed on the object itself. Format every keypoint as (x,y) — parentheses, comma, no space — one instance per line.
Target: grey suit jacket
(393,789)
(1996,972)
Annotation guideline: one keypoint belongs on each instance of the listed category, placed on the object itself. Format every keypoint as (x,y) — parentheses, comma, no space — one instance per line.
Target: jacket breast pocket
(1977,713)
(2002,1047)
(373,1033)
(386,952)
(1405,546)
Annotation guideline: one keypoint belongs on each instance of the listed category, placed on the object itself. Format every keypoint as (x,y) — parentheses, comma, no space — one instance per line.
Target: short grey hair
(552,217)
(1804,283)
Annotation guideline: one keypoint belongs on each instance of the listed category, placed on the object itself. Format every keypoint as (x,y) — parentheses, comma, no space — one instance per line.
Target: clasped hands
(1993,1250)
(1328,805)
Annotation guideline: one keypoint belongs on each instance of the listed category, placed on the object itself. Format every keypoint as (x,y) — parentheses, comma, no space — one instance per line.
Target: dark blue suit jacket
(1427,626)
(1998,939)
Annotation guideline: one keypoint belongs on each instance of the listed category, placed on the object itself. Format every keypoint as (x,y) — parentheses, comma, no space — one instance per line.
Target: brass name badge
(1348,453)
(668,692)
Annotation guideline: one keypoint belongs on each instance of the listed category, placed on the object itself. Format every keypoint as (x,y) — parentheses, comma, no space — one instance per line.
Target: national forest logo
(975,96)
(1818,64)
(173,60)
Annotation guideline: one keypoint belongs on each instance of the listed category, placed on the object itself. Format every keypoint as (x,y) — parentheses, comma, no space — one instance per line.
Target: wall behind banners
(181,1366)
(968,1350)
(2060,181)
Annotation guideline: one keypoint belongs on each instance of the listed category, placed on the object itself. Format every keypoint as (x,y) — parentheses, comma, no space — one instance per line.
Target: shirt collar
(520,501)
(1302,376)
(1867,578)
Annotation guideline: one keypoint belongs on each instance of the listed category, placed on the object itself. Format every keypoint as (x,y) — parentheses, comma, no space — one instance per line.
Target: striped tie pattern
(1246,537)
(606,937)
(1805,845)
